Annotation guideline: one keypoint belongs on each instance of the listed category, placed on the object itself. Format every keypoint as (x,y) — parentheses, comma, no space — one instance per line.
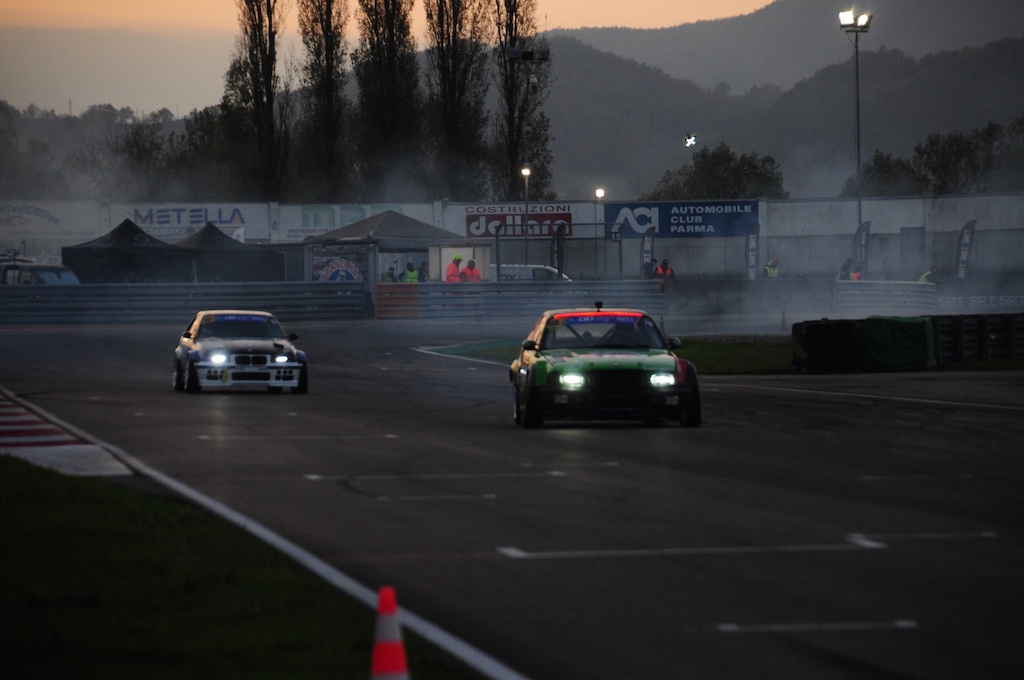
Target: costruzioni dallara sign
(690,219)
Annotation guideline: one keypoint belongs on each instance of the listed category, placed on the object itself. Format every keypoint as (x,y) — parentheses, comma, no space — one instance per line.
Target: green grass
(104,581)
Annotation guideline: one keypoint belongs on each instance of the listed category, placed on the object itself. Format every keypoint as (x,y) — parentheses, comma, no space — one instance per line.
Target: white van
(527,272)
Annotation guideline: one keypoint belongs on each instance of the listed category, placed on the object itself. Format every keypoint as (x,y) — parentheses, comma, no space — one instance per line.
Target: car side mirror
(674,342)
(530,345)
(293,336)
(186,335)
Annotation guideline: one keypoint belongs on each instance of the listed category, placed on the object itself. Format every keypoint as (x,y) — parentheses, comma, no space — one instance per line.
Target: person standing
(844,270)
(452,275)
(664,271)
(471,274)
(410,275)
(771,269)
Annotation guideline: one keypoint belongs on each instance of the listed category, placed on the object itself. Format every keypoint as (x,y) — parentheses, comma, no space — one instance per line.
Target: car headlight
(571,380)
(218,358)
(663,379)
(281,359)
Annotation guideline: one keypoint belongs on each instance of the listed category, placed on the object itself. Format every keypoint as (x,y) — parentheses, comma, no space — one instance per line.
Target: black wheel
(191,377)
(533,409)
(303,385)
(177,379)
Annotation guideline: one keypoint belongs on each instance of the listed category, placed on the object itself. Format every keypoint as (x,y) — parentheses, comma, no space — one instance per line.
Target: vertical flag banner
(647,247)
(752,238)
(558,249)
(860,247)
(963,248)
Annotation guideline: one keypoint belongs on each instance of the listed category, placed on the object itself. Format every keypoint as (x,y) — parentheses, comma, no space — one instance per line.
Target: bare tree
(523,73)
(390,110)
(458,33)
(322,26)
(253,85)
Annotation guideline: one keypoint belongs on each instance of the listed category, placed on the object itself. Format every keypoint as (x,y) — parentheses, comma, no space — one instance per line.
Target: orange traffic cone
(389,661)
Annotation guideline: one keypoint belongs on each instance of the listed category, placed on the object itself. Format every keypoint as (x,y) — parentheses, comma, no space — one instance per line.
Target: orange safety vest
(470,274)
(452,275)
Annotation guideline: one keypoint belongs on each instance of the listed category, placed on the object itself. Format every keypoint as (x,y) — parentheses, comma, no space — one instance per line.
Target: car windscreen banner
(690,219)
(963,248)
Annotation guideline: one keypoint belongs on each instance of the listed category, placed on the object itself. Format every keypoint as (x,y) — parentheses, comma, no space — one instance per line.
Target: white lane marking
(594,464)
(912,478)
(476,497)
(428,350)
(385,478)
(853,542)
(877,397)
(838,626)
(298,437)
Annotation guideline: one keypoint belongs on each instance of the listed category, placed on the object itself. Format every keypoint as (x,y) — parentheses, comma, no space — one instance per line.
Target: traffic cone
(389,661)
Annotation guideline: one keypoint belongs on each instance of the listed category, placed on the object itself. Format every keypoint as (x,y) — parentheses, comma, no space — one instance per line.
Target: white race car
(238,348)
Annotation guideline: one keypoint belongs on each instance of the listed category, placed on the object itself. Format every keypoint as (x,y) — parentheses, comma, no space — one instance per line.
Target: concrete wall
(809,237)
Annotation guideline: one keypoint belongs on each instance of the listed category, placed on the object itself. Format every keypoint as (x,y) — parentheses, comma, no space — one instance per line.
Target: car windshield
(239,326)
(602,330)
(56,277)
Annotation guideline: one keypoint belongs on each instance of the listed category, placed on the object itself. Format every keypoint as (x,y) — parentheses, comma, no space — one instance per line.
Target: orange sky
(173,53)
(218,15)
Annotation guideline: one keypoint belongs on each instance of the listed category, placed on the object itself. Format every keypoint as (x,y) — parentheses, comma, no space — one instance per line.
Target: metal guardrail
(885,297)
(511,298)
(158,302)
(299,301)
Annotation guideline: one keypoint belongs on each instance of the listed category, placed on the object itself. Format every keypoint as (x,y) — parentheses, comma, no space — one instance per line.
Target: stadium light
(855,25)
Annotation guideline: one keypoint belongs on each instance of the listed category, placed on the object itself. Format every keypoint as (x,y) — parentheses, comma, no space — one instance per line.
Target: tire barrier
(904,343)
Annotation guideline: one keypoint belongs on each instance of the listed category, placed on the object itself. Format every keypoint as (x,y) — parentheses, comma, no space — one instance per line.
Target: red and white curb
(26,434)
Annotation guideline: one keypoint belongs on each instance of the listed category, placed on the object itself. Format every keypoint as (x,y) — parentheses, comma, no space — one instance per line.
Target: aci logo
(639,219)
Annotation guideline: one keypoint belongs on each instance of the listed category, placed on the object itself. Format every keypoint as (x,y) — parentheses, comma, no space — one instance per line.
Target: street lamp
(526,214)
(856,24)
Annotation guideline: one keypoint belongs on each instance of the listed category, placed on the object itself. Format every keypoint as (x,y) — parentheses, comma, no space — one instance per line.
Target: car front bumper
(272,375)
(669,403)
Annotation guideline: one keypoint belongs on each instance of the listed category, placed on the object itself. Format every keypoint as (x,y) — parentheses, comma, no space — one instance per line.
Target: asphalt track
(815,526)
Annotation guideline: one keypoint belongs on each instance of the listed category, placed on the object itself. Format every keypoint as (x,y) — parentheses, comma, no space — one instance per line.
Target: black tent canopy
(127,254)
(218,257)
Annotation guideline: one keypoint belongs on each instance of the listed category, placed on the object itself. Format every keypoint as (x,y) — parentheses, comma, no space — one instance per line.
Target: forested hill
(620,124)
(789,40)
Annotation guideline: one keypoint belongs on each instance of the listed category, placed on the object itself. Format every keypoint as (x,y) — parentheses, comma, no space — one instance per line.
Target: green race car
(602,364)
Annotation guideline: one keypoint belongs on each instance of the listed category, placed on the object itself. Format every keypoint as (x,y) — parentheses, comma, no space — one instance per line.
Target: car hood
(246,345)
(646,359)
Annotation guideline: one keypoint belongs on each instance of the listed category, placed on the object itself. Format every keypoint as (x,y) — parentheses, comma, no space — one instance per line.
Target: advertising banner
(558,249)
(752,243)
(299,222)
(963,248)
(349,263)
(860,247)
(691,219)
(490,219)
(173,222)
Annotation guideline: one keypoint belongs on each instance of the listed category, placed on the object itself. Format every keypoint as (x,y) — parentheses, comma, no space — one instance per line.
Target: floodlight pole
(856,25)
